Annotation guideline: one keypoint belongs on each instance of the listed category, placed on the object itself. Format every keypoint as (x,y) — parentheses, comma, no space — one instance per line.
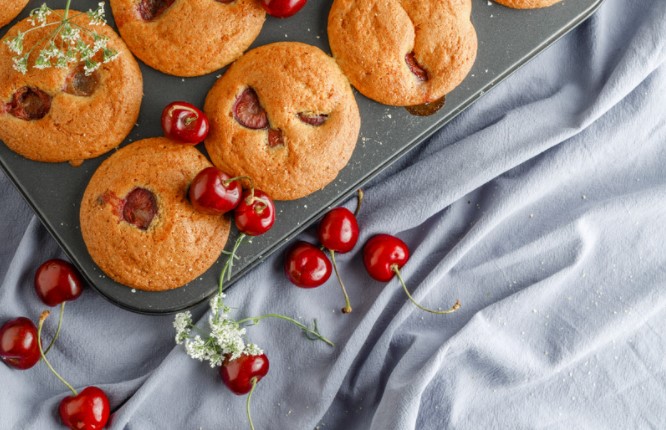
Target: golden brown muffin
(57,115)
(403,52)
(137,222)
(284,115)
(188,37)
(527,4)
(9,9)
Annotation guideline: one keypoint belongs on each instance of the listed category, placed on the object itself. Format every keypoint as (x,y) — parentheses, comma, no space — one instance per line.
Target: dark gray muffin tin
(507,40)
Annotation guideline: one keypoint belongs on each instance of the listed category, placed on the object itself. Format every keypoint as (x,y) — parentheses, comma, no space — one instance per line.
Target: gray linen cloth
(542,208)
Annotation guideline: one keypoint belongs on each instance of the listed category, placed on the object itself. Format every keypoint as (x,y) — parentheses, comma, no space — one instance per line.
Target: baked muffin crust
(75,127)
(307,100)
(190,37)
(374,41)
(172,247)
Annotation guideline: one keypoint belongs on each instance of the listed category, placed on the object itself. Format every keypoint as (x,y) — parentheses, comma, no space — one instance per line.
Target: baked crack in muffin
(403,52)
(188,37)
(56,115)
(284,115)
(137,222)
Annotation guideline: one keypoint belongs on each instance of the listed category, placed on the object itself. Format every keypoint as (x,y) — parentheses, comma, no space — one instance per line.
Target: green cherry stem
(347,309)
(57,333)
(42,318)
(455,307)
(248,401)
(359,201)
(315,333)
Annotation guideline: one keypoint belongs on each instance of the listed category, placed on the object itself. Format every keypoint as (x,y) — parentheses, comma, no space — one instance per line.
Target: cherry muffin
(527,4)
(403,52)
(57,114)
(284,115)
(188,37)
(137,222)
(9,9)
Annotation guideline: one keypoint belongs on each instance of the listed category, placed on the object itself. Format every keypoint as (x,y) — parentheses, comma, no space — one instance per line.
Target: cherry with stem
(338,232)
(383,256)
(87,409)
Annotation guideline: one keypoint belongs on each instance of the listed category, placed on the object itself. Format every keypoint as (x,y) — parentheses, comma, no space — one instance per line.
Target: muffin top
(188,37)
(403,52)
(137,222)
(284,115)
(63,114)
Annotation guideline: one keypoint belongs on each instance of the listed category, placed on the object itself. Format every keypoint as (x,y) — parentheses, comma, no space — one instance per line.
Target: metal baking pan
(507,40)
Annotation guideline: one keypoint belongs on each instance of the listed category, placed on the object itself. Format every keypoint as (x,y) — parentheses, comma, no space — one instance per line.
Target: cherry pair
(213,192)
(56,282)
(307,266)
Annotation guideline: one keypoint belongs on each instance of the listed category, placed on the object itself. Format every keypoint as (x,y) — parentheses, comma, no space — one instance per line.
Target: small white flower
(99,42)
(109,55)
(15,44)
(20,64)
(38,16)
(42,62)
(252,349)
(97,16)
(228,336)
(69,34)
(183,325)
(90,66)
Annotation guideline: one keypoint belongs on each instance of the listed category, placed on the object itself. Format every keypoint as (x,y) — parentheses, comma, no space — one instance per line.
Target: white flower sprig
(225,339)
(66,44)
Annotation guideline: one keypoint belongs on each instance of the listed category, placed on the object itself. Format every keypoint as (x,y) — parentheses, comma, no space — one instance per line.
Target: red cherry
(87,410)
(213,192)
(282,8)
(255,213)
(383,257)
(382,253)
(248,111)
(18,343)
(306,266)
(57,281)
(237,374)
(338,230)
(184,123)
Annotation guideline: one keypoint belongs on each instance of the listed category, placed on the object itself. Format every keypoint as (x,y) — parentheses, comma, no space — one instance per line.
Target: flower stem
(228,265)
(42,318)
(57,333)
(67,9)
(315,333)
(347,309)
(452,309)
(249,400)
(359,201)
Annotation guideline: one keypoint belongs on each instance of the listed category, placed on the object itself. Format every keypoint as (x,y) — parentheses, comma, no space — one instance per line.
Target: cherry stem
(347,309)
(228,265)
(308,331)
(238,178)
(359,201)
(253,381)
(455,307)
(42,318)
(57,333)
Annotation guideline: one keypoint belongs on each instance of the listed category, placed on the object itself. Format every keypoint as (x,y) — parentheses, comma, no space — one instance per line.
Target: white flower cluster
(68,43)
(226,340)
